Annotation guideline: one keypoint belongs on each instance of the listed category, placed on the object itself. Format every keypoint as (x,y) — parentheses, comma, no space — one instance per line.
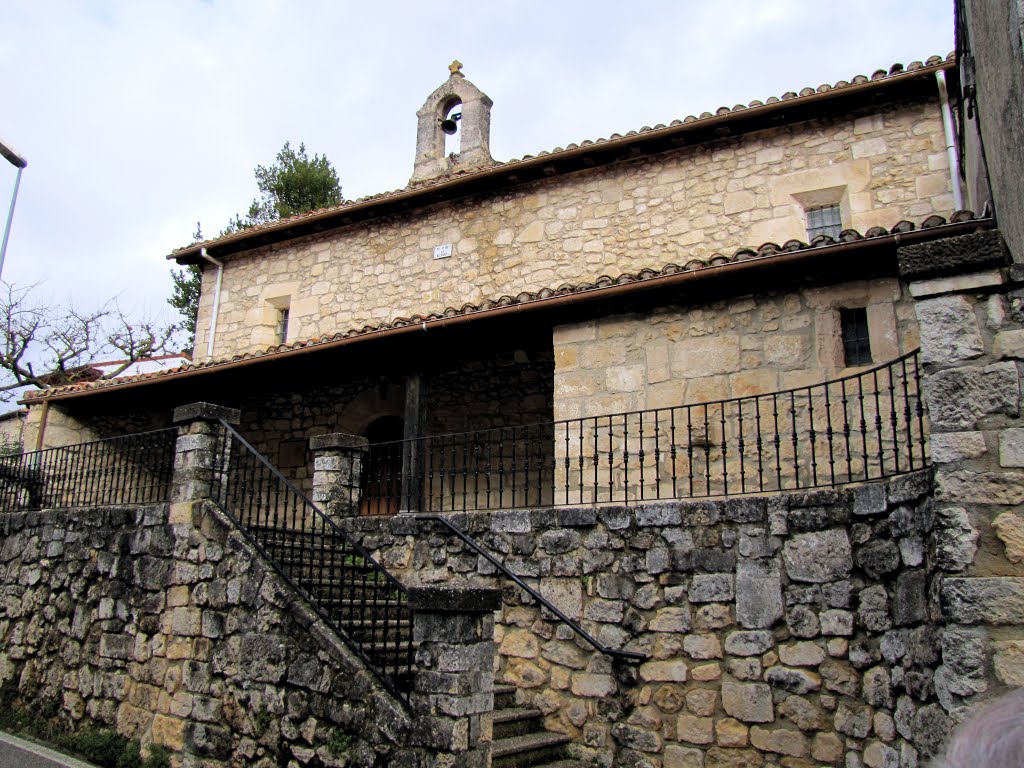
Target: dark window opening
(824,220)
(856,341)
(282,326)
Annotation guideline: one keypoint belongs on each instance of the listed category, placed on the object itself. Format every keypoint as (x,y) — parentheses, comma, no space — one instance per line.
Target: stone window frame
(827,198)
(882,327)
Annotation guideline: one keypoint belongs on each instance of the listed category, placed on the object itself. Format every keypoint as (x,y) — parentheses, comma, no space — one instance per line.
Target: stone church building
(736,394)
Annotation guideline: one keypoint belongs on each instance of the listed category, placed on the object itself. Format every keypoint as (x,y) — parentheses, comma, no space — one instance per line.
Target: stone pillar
(196,451)
(970,307)
(338,460)
(453,687)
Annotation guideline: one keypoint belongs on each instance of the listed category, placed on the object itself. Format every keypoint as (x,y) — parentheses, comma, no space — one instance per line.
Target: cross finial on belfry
(456,68)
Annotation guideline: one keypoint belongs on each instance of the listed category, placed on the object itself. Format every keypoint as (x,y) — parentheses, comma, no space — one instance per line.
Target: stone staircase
(520,740)
(360,602)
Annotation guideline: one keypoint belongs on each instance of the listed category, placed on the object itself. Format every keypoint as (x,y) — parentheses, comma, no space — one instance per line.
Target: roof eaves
(903,233)
(455,182)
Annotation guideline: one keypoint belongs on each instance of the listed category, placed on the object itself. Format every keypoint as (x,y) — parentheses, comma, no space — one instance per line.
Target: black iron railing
(862,427)
(339,578)
(518,581)
(131,469)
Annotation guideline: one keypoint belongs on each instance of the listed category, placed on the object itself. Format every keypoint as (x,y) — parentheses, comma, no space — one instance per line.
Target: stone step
(516,721)
(533,749)
(504,696)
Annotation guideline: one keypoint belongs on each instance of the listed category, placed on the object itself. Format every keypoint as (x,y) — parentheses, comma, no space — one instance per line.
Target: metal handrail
(351,548)
(598,645)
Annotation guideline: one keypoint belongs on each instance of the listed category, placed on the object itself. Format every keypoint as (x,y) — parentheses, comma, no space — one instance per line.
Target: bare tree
(46,346)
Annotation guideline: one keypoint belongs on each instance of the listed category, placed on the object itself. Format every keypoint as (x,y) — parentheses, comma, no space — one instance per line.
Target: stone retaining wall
(163,622)
(791,630)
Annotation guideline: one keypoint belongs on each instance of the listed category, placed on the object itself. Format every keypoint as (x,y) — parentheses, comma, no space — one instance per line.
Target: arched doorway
(382,475)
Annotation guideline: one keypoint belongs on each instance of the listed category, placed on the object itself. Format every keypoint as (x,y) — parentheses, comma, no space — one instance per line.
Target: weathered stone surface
(818,557)
(803,713)
(751,643)
(909,603)
(670,671)
(1009,527)
(961,485)
(948,447)
(870,499)
(836,623)
(964,662)
(711,588)
(879,755)
(878,558)
(958,397)
(804,654)
(827,747)
(695,730)
(949,330)
(779,740)
(840,676)
(683,757)
(853,719)
(963,254)
(758,593)
(955,539)
(990,600)
(748,702)
(1008,662)
(878,688)
(798,681)
(873,612)
(731,733)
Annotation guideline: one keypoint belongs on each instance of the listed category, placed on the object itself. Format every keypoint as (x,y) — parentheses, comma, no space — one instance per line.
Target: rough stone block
(206,411)
(961,485)
(748,643)
(986,600)
(711,588)
(666,513)
(780,740)
(949,447)
(1009,527)
(748,702)
(953,255)
(818,557)
(959,397)
(1009,344)
(758,593)
(910,601)
(869,499)
(1011,448)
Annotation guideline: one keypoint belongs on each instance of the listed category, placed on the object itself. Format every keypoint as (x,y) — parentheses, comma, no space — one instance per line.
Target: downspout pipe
(216,300)
(947,129)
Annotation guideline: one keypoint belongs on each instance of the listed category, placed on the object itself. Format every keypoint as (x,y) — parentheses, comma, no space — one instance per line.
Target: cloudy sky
(141,117)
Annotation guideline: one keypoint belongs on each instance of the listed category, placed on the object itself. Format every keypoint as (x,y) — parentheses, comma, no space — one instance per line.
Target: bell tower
(457,108)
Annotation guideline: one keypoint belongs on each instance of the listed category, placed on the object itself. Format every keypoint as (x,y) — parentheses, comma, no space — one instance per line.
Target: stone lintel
(206,411)
(953,255)
(454,600)
(937,286)
(337,440)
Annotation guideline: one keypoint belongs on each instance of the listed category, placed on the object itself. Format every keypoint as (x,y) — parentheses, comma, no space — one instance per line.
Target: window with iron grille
(282,326)
(824,220)
(856,341)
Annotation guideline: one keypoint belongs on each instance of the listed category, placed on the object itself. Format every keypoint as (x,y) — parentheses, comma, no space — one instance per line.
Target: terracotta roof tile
(880,74)
(764,251)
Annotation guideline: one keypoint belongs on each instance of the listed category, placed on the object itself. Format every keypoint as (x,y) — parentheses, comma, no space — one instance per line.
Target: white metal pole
(10,217)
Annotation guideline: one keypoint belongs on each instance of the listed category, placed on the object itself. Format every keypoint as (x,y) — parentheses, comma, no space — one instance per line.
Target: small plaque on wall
(442,251)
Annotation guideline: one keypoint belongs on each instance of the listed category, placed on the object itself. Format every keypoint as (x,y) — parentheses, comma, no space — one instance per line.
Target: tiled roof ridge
(765,250)
(879,74)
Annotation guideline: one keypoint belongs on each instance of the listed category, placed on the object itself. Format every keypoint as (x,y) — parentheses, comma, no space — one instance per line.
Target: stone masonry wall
(971,311)
(736,347)
(793,630)
(880,166)
(171,629)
